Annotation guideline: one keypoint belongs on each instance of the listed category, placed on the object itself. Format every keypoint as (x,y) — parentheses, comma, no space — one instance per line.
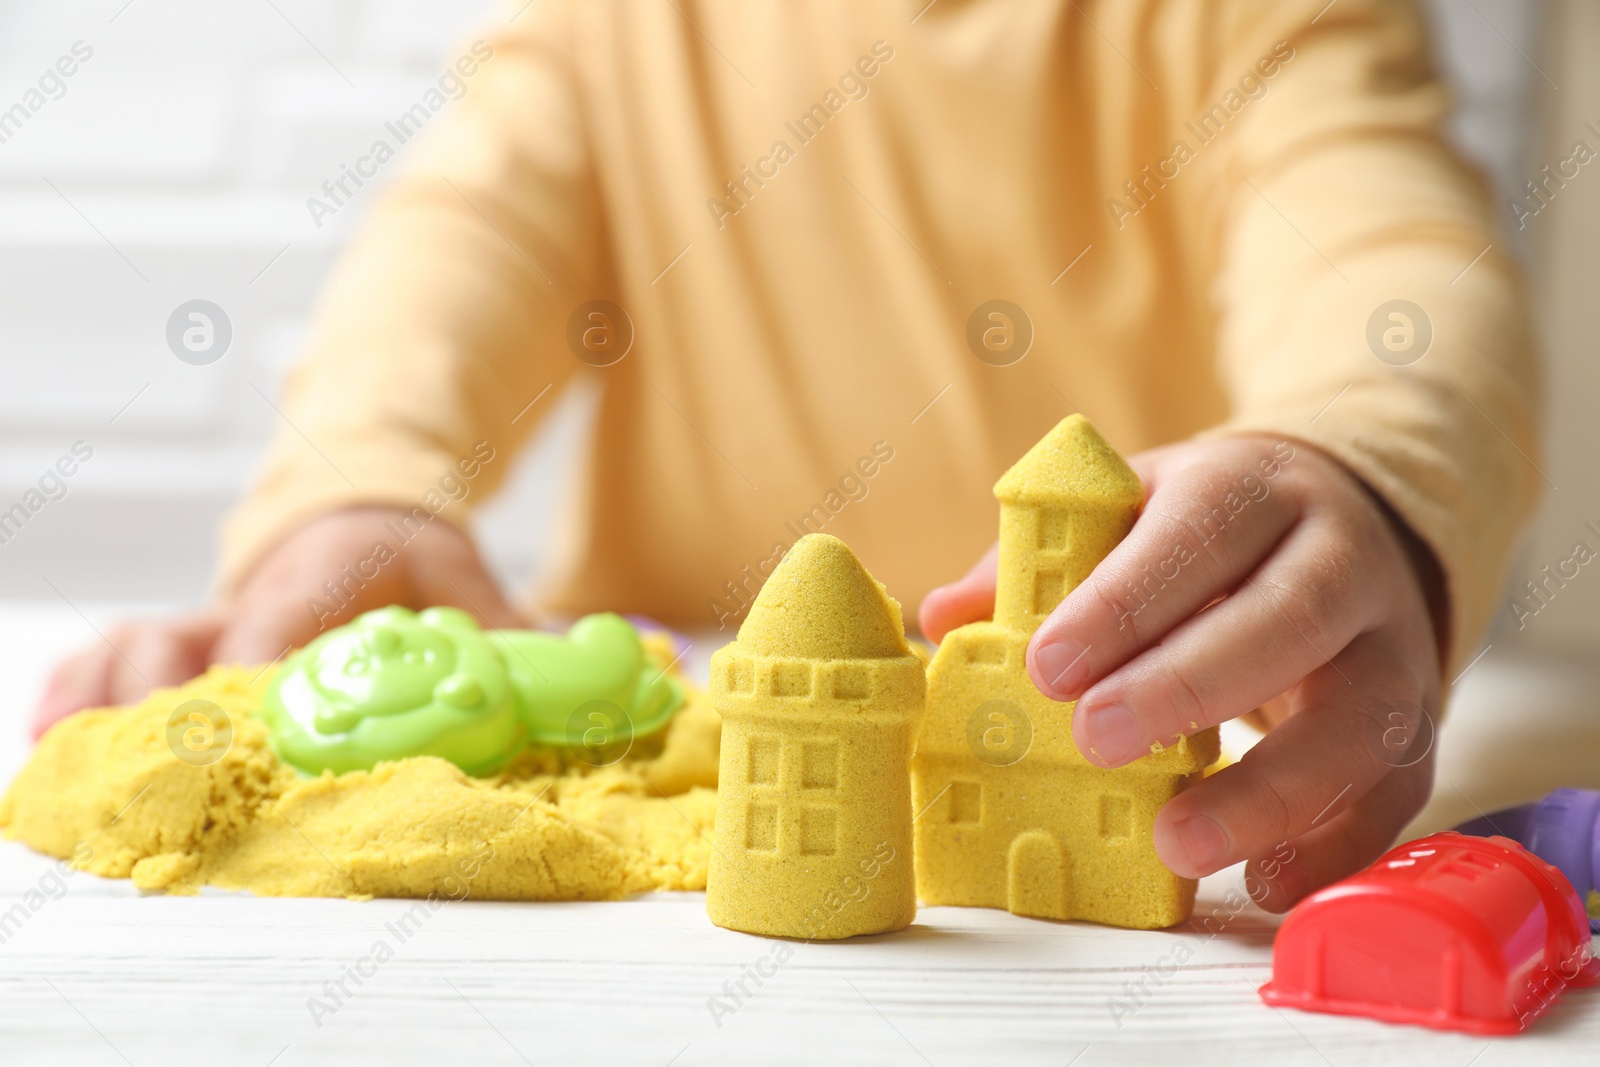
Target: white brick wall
(189,143)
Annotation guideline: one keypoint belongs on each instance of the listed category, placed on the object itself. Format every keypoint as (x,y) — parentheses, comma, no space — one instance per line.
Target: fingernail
(1114,735)
(1203,840)
(1063,665)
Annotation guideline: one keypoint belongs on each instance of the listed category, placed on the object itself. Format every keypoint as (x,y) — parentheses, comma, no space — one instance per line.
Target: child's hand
(273,609)
(1325,625)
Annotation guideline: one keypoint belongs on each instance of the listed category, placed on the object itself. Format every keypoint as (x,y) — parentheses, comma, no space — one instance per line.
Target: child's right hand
(271,611)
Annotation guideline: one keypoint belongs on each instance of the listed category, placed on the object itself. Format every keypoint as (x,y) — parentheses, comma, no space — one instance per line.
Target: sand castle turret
(1063,507)
(819,698)
(1013,816)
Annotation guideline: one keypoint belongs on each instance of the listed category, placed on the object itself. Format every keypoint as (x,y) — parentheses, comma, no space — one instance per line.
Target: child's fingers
(1297,612)
(1201,533)
(969,599)
(1331,751)
(159,655)
(474,591)
(123,667)
(448,572)
(262,630)
(1341,844)
(82,680)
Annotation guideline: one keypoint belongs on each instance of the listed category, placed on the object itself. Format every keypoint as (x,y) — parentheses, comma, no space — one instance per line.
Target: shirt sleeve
(445,318)
(1365,302)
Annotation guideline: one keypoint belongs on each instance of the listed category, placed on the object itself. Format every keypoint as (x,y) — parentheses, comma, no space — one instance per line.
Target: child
(838,265)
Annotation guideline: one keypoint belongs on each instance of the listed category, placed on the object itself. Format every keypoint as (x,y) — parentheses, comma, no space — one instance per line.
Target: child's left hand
(1297,593)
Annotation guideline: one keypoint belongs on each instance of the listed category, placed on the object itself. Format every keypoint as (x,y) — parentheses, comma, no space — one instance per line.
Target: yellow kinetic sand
(819,697)
(106,788)
(1013,816)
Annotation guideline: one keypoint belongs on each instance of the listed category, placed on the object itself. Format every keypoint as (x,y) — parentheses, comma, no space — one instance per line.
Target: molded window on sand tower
(739,676)
(1116,815)
(764,750)
(791,680)
(819,765)
(851,682)
(819,833)
(966,802)
(1048,589)
(1054,524)
(986,653)
(761,827)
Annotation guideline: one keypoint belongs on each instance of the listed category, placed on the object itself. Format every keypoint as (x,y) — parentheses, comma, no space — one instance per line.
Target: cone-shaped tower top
(820,603)
(1072,464)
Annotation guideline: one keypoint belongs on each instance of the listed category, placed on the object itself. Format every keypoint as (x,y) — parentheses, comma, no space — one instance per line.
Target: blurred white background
(177,164)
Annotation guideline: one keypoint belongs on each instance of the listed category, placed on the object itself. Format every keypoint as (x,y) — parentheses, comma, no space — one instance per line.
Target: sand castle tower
(819,698)
(1013,816)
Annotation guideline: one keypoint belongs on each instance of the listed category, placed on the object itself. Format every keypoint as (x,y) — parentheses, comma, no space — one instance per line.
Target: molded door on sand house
(1037,882)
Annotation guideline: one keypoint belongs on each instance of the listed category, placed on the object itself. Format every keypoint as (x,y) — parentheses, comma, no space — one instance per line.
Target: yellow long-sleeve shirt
(1198,207)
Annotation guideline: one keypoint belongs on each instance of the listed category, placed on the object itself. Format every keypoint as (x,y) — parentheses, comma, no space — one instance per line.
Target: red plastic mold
(1449,931)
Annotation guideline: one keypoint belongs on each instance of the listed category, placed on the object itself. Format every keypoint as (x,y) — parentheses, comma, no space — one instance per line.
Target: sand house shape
(819,697)
(1011,814)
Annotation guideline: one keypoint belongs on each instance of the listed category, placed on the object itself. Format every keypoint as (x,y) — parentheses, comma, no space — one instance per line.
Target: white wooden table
(103,975)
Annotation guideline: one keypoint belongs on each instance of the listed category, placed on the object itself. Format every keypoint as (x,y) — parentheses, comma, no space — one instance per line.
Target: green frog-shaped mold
(397,683)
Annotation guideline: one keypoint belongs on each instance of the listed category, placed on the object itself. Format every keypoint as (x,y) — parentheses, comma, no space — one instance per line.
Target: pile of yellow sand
(545,829)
